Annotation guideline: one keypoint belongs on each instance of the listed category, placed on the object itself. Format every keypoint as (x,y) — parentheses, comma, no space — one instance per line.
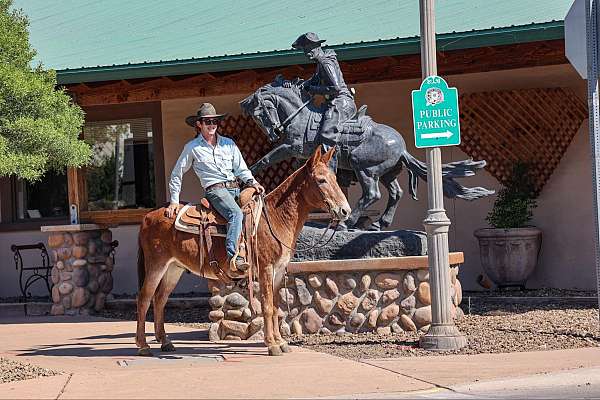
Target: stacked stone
(81,276)
(347,302)
(233,317)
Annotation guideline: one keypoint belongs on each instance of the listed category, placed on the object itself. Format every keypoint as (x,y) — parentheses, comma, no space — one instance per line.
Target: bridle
(333,222)
(278,126)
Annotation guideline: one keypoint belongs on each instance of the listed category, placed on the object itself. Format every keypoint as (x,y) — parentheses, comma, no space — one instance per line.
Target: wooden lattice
(531,125)
(253,144)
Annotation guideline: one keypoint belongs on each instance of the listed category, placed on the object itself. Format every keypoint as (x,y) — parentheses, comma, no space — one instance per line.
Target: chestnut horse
(165,253)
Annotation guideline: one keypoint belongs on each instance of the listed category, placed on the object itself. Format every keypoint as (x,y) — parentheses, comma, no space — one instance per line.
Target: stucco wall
(565,209)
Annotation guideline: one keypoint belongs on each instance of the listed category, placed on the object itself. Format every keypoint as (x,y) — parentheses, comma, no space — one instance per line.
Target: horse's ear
(316,157)
(328,156)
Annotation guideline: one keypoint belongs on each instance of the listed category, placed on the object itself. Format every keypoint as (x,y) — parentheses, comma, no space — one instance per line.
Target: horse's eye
(321,181)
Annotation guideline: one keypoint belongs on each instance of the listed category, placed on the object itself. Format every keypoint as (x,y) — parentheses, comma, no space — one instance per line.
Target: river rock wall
(342,302)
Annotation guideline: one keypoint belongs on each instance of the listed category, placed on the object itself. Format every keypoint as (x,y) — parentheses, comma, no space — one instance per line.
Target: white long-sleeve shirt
(221,163)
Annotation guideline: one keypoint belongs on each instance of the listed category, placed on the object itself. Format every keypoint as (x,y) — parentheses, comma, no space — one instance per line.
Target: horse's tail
(452,189)
(141,267)
(416,169)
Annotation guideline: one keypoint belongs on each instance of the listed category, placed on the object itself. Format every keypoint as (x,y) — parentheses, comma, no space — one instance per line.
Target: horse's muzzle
(342,212)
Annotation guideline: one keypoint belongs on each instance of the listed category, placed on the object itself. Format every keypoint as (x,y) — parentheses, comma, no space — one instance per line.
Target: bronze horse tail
(452,189)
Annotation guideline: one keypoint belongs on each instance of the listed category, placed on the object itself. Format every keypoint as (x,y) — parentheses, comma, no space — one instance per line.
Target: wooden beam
(115,217)
(369,264)
(380,69)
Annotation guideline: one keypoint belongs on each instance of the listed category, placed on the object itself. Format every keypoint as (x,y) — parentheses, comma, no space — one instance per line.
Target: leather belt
(223,185)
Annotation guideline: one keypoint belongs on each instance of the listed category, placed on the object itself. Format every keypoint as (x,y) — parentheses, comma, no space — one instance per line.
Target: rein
(332,222)
(314,246)
(280,126)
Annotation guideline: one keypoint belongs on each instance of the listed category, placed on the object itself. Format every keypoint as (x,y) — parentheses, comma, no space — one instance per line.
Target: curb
(21,309)
(41,309)
(175,302)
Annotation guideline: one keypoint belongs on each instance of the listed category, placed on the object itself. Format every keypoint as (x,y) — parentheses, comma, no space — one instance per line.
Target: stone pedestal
(364,282)
(83,261)
(384,302)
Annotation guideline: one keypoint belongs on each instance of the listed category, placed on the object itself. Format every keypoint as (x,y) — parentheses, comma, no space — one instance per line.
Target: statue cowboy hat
(308,39)
(206,110)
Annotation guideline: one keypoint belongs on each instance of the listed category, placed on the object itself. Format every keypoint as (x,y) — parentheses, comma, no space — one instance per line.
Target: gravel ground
(492,327)
(11,371)
(544,292)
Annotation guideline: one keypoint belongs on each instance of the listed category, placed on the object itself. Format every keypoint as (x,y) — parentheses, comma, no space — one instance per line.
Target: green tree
(39,124)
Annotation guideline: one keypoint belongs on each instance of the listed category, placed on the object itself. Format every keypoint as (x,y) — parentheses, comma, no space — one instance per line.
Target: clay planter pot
(509,256)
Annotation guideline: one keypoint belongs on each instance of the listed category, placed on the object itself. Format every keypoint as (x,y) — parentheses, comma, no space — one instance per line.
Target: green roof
(90,40)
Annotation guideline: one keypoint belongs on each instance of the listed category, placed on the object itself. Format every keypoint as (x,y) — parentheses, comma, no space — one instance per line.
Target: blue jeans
(224,201)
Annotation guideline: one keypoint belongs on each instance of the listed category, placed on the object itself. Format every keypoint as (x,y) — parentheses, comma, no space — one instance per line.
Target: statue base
(314,244)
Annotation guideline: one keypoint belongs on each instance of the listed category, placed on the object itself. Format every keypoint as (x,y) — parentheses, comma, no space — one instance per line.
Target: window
(44,198)
(121,172)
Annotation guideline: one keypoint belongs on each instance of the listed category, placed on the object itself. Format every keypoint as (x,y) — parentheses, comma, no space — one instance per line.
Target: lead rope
(254,249)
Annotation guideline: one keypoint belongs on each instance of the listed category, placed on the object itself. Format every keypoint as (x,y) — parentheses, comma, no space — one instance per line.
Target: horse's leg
(154,273)
(283,345)
(394,195)
(370,194)
(166,286)
(279,153)
(266,296)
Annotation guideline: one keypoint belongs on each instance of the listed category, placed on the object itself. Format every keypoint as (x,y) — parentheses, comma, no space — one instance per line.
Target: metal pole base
(443,337)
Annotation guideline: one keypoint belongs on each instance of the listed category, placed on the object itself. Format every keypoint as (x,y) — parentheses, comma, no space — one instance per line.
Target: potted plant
(509,250)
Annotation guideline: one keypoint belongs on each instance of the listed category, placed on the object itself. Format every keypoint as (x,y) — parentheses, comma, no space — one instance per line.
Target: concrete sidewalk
(98,359)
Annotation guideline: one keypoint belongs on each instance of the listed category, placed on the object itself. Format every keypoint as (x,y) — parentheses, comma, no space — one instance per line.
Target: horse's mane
(284,187)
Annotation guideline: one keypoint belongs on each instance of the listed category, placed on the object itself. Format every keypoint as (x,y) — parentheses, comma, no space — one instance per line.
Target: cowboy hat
(308,39)
(206,110)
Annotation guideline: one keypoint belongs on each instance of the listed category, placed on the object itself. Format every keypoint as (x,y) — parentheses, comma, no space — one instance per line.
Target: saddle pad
(195,229)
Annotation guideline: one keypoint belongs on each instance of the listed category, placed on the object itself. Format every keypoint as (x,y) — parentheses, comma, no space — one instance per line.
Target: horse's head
(323,190)
(269,104)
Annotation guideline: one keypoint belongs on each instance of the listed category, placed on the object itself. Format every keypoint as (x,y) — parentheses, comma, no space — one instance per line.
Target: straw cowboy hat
(206,110)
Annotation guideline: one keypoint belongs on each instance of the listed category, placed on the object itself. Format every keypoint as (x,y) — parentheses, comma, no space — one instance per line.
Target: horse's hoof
(145,352)
(342,227)
(375,226)
(285,348)
(167,347)
(275,350)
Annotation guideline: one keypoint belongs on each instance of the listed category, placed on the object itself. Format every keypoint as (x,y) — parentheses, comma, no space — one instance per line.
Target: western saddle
(205,222)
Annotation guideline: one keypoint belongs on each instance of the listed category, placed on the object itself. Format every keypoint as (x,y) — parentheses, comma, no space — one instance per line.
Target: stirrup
(238,263)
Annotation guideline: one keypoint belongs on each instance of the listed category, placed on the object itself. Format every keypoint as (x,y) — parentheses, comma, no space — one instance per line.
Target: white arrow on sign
(436,135)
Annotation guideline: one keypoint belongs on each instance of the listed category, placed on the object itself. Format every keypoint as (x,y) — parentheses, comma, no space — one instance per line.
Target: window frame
(76,177)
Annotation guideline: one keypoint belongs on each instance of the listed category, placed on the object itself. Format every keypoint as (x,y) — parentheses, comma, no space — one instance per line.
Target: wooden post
(77,189)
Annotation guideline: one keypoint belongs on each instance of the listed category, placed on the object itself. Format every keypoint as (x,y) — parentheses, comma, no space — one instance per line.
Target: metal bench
(38,272)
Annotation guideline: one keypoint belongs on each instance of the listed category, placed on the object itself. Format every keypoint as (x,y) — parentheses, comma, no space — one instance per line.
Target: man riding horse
(219,165)
(327,81)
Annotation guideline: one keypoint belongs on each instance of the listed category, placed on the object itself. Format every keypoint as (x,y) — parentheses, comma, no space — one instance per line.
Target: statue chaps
(368,152)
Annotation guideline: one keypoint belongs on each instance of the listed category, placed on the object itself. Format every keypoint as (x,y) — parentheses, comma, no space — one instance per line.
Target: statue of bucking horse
(368,152)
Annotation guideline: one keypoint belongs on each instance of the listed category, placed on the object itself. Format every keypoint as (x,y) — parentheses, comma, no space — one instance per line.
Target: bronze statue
(368,152)
(328,81)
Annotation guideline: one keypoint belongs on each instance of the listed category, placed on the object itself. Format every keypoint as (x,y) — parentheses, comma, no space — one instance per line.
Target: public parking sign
(435,114)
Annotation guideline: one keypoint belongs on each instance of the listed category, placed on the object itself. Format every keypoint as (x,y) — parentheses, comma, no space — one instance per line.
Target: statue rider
(328,82)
